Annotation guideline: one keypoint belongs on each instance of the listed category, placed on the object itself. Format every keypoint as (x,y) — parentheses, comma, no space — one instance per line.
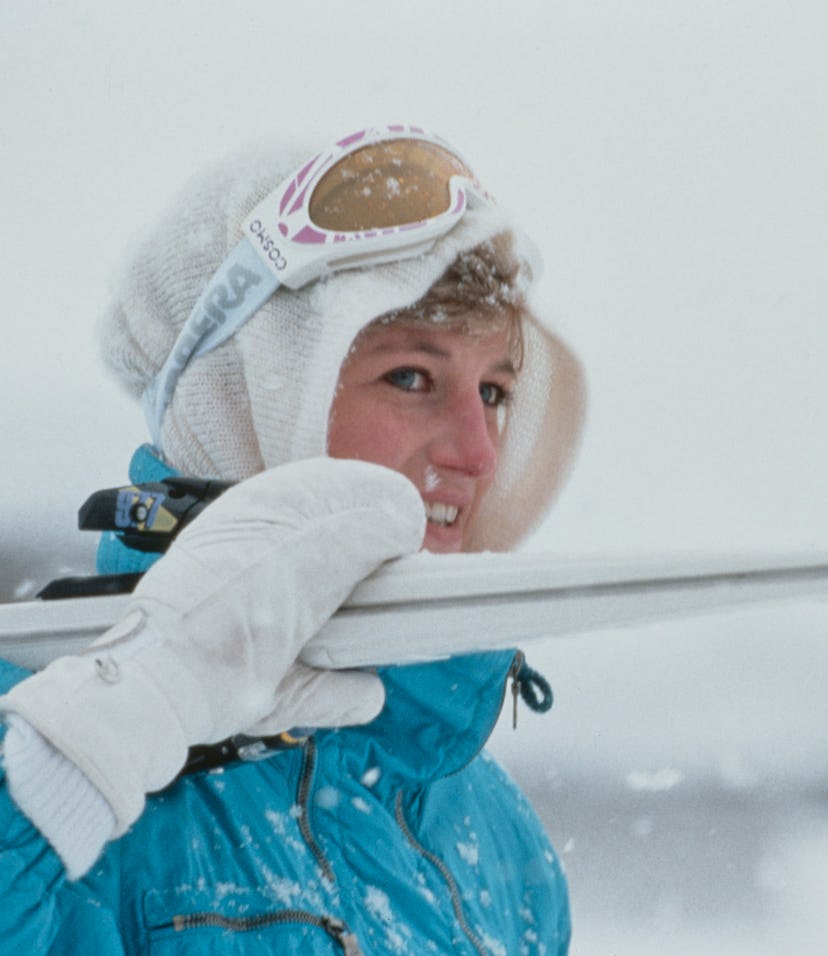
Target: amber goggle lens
(390,183)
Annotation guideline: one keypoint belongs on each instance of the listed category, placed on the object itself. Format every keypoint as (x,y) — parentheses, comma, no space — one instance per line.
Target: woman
(395,396)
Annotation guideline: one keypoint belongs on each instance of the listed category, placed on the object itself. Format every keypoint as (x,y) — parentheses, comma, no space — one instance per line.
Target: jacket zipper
(456,902)
(303,795)
(444,872)
(303,800)
(335,928)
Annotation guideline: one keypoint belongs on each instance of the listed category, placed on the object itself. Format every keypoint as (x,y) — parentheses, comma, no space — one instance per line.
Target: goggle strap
(238,289)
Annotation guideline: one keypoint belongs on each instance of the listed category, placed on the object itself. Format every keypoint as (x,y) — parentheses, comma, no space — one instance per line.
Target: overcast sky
(668,157)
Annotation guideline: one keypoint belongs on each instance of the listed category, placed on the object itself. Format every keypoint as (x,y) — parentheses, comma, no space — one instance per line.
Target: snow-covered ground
(669,159)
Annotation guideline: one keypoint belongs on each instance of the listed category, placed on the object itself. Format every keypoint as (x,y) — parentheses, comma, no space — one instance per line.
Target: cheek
(367,434)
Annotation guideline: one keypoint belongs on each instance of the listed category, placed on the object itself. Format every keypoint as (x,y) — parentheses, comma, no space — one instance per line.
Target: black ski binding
(146,517)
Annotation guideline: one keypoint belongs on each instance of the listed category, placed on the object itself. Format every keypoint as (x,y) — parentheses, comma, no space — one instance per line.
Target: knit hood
(263,397)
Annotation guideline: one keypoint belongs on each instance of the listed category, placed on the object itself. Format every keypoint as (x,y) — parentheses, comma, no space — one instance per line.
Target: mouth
(441,514)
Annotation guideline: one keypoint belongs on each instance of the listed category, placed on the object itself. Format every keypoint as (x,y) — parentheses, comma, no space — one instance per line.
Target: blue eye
(494,395)
(407,379)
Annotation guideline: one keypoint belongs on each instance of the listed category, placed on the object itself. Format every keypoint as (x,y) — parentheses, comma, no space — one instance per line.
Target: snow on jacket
(403,836)
(398,837)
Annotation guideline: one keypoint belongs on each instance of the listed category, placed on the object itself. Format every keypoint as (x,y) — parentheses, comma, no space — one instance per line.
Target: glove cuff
(58,799)
(112,723)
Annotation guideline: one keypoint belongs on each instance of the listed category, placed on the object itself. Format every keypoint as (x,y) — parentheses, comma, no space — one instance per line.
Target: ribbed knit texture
(57,798)
(262,399)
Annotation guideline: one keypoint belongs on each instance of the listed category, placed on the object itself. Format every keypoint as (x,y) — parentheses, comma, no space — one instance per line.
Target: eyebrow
(429,348)
(415,345)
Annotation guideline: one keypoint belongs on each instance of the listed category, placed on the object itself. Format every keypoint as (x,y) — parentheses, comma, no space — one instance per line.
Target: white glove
(208,644)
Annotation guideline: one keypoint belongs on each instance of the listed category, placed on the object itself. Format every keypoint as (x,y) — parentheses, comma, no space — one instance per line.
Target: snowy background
(669,158)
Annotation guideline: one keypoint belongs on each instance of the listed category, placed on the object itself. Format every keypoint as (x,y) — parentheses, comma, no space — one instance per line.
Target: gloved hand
(208,645)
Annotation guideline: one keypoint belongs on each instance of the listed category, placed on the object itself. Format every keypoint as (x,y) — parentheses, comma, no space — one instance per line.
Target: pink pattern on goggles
(379,195)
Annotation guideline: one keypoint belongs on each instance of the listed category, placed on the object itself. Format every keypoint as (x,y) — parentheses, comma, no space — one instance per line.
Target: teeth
(442,514)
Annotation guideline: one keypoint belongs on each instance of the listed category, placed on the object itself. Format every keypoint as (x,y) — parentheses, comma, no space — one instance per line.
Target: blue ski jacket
(398,837)
(402,836)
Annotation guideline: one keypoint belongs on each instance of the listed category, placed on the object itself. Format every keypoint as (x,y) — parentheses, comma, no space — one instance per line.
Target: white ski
(429,607)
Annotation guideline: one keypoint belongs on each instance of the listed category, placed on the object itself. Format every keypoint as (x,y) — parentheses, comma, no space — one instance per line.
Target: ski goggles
(379,195)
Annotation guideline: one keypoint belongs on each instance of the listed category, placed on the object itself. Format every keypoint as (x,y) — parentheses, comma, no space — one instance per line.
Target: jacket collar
(437,718)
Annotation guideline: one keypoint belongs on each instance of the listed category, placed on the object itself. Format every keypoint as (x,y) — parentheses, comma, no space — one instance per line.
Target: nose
(467,438)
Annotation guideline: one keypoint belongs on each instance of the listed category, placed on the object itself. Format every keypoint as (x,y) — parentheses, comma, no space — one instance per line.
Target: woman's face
(430,403)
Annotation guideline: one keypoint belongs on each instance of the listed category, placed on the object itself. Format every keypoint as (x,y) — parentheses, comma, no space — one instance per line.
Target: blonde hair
(478,293)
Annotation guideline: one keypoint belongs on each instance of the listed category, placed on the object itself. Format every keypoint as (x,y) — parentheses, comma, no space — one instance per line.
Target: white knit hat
(263,397)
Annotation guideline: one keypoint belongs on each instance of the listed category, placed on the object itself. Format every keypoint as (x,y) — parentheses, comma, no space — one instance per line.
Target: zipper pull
(514,674)
(338,930)
(531,686)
